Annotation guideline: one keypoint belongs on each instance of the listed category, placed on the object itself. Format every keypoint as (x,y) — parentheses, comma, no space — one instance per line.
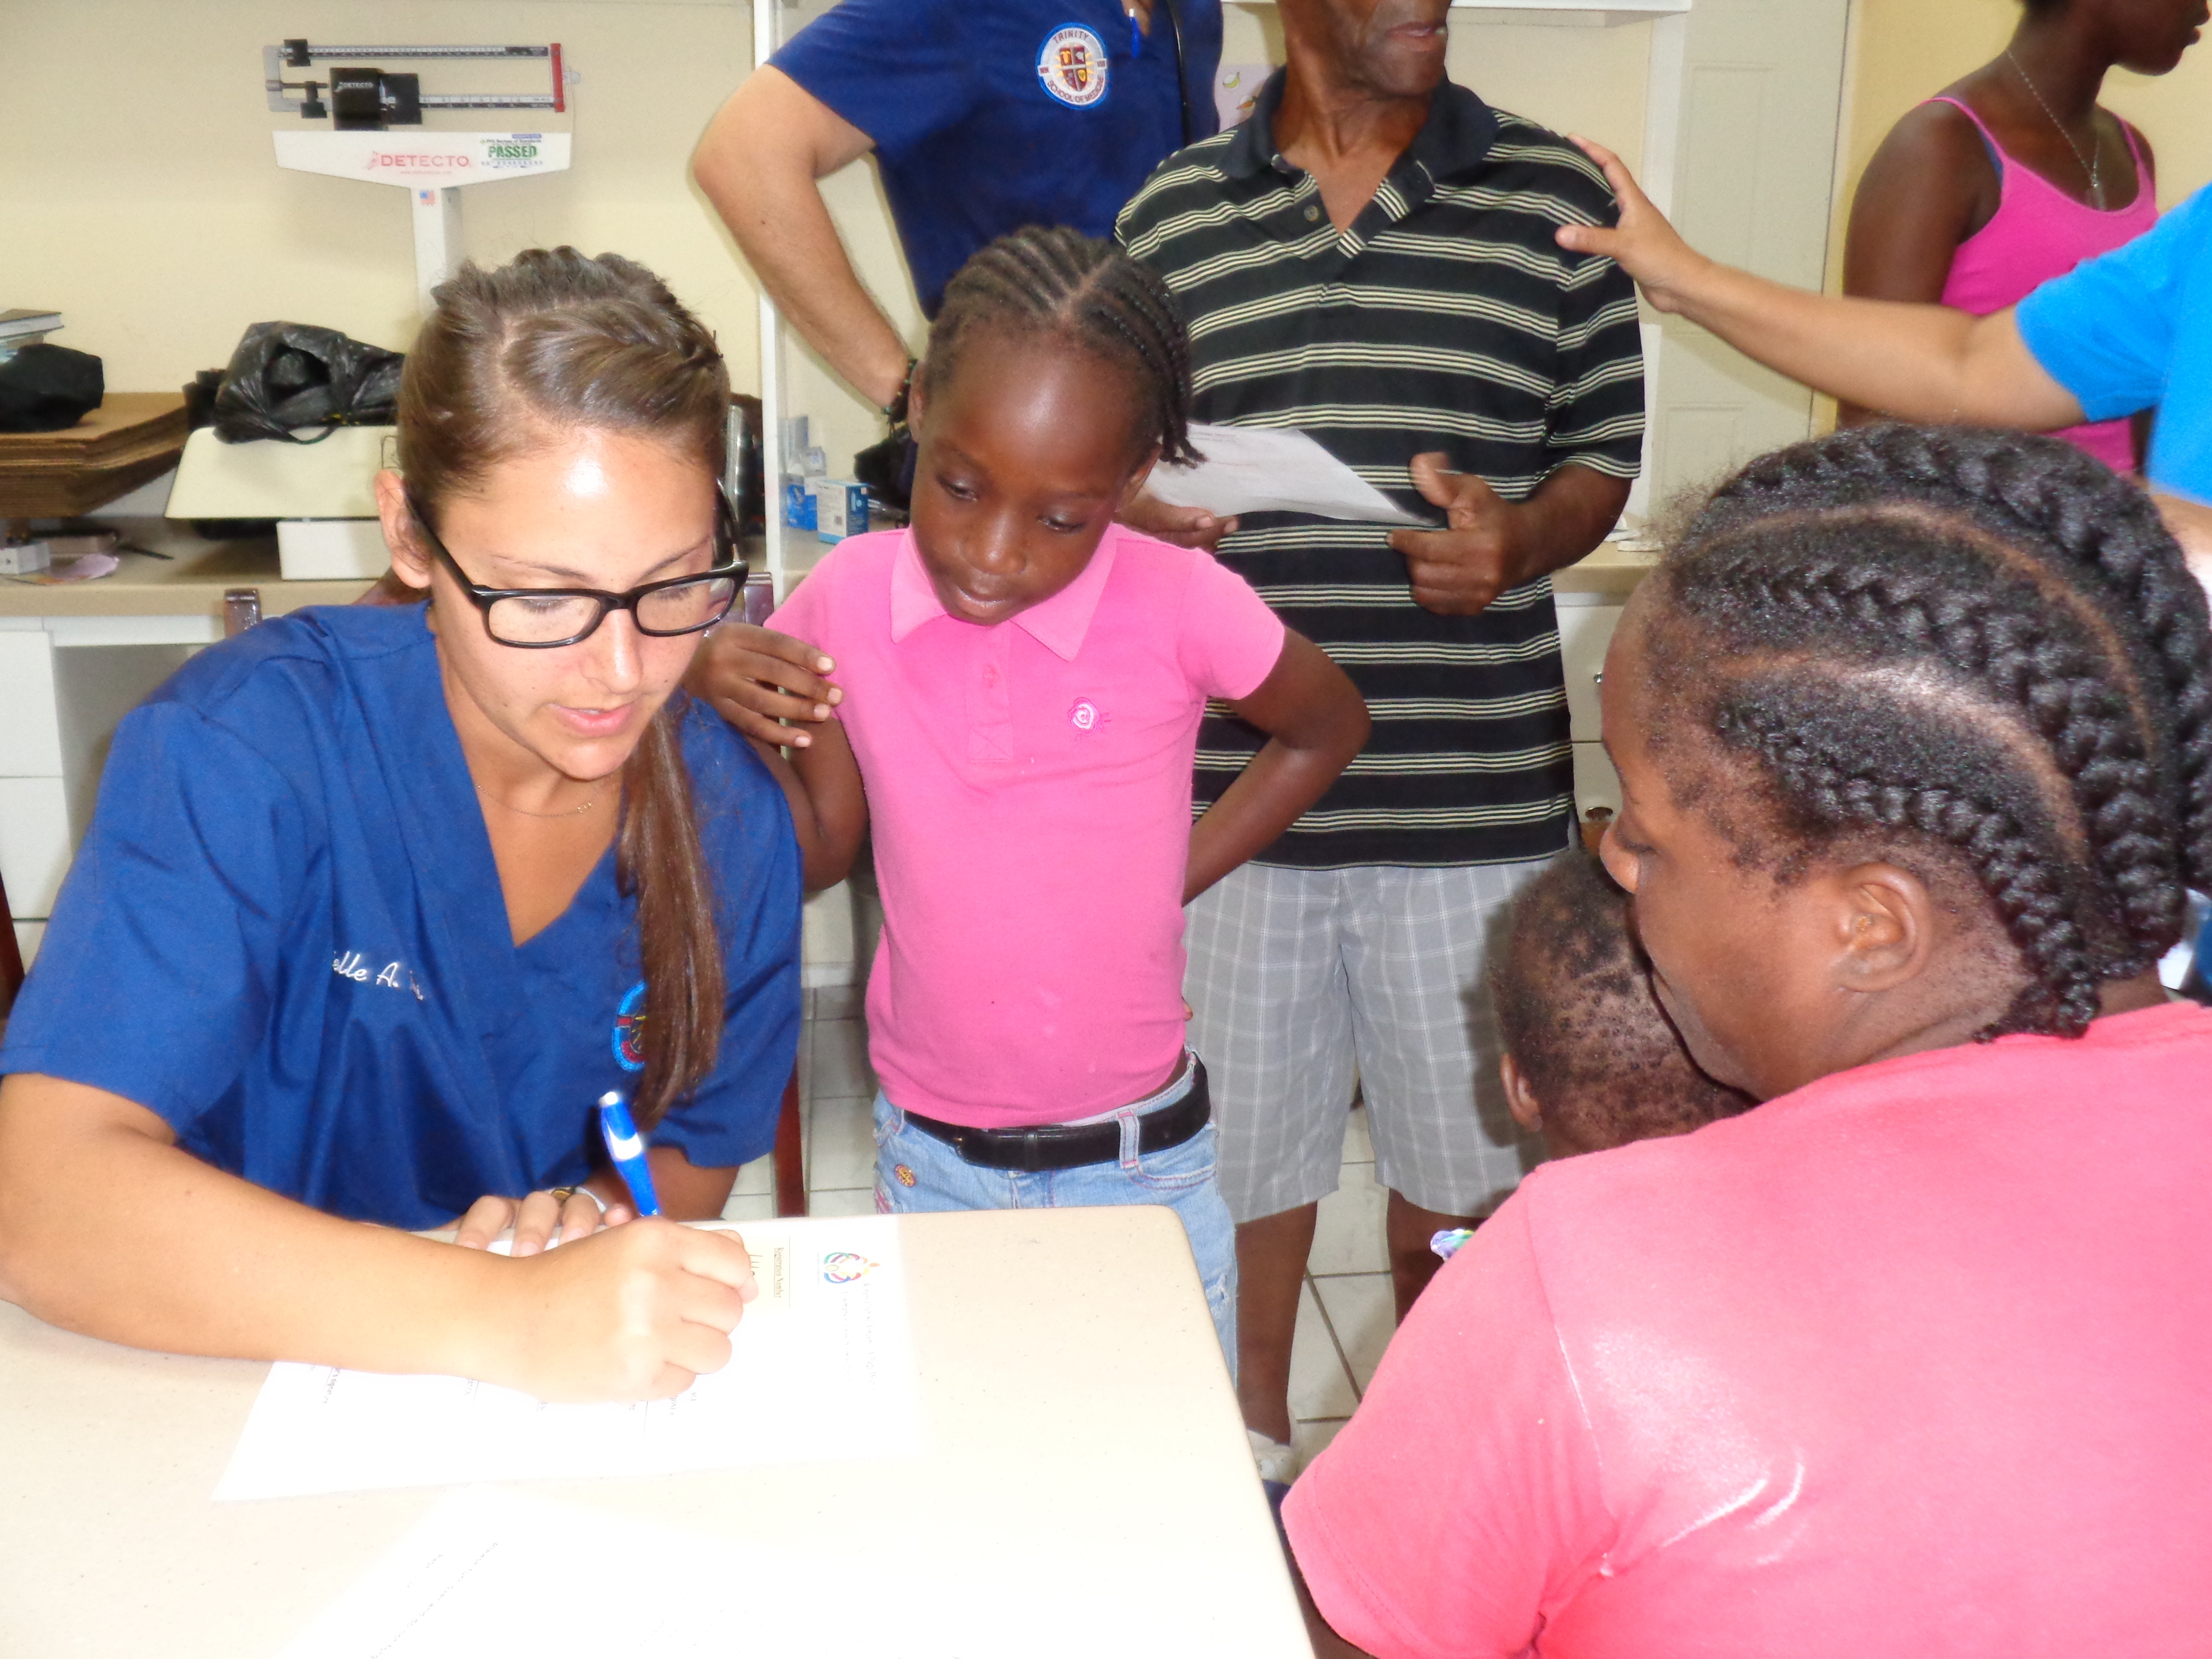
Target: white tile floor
(1345,1315)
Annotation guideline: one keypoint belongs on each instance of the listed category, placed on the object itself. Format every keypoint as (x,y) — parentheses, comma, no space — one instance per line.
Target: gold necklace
(570,813)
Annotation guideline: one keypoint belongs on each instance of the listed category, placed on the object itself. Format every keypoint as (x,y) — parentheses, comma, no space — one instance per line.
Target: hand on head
(1645,246)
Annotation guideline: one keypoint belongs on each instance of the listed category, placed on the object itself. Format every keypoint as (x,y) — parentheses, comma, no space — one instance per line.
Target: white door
(1750,182)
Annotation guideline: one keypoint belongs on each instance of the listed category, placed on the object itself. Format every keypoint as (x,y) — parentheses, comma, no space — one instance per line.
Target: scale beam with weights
(321,494)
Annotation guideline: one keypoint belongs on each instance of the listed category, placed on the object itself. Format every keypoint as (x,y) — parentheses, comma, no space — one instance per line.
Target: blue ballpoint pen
(627,1148)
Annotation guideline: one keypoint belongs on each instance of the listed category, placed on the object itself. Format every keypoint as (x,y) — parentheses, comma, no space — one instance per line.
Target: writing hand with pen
(635,1308)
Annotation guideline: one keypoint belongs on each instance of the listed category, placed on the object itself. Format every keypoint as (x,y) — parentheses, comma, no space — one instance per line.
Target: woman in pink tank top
(2013,174)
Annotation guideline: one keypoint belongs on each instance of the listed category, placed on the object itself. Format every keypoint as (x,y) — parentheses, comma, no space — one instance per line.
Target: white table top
(1086,1475)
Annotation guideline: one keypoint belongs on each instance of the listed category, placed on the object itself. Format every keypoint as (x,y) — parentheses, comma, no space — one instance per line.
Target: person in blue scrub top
(378,901)
(2128,331)
(983,118)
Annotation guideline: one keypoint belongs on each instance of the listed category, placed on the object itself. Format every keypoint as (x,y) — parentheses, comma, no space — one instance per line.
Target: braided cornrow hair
(1981,643)
(1056,281)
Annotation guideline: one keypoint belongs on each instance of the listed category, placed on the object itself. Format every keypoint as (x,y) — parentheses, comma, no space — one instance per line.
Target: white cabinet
(1585,631)
(64,683)
(35,843)
(34,830)
(30,742)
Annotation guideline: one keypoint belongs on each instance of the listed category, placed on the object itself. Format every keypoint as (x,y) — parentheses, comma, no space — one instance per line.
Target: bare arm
(1492,545)
(1920,362)
(829,809)
(759,163)
(1315,723)
(107,1227)
(1928,188)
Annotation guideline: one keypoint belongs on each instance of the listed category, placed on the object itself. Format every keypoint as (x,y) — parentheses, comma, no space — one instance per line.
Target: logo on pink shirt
(1085,716)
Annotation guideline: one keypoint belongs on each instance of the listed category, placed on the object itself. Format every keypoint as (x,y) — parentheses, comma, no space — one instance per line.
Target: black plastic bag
(287,376)
(48,388)
(887,469)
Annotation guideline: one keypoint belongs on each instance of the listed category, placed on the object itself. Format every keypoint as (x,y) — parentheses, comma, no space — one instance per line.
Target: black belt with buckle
(1061,1146)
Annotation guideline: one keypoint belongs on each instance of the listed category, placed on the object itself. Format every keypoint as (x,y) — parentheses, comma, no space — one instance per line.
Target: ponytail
(553,338)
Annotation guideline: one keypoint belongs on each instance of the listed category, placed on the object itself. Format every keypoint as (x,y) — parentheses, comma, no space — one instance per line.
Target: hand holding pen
(636,1314)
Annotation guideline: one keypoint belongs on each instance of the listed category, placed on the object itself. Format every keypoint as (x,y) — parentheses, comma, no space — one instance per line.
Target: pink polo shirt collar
(1059,624)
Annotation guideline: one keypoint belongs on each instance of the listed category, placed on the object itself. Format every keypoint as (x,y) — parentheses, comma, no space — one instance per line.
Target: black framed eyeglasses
(539,618)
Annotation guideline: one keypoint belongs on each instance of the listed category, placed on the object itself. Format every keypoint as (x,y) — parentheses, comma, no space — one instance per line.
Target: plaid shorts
(1306,984)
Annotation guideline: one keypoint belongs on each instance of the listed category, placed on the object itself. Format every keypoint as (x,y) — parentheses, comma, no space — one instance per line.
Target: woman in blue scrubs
(377,902)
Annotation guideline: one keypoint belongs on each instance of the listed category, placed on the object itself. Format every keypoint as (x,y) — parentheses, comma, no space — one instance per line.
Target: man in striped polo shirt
(1370,260)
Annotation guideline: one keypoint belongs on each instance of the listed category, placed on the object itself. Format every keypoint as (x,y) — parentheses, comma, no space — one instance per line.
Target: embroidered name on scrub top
(1071,64)
(349,964)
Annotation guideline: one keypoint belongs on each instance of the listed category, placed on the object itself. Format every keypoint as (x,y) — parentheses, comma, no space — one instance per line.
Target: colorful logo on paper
(630,1029)
(844,1267)
(1071,65)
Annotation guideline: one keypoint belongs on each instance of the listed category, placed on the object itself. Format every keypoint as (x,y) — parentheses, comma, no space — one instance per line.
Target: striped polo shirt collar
(1059,624)
(1454,139)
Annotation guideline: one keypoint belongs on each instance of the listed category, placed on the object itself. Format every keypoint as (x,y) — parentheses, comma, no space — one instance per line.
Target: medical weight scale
(321,494)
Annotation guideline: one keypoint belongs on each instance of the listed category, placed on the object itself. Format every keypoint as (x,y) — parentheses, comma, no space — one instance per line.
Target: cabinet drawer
(35,843)
(30,723)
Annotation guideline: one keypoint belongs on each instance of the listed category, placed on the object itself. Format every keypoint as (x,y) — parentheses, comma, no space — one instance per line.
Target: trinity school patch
(1072,64)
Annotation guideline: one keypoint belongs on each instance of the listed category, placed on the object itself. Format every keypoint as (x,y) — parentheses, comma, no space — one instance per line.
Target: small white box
(331,549)
(23,558)
(840,507)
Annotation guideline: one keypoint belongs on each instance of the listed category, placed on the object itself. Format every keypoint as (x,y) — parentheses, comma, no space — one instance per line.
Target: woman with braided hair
(1019,682)
(379,901)
(1915,735)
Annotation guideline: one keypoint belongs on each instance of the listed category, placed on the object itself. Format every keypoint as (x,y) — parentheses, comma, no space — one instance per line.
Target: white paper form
(488,1568)
(1254,469)
(822,1367)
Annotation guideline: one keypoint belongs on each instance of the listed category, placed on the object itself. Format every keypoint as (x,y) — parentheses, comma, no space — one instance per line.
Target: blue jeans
(915,1172)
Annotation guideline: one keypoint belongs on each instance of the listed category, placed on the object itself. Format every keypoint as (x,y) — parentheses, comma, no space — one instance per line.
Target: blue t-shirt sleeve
(2105,330)
(897,69)
(155,976)
(745,826)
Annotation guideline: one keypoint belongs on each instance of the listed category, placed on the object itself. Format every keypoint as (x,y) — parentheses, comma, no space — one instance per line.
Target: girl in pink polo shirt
(1018,685)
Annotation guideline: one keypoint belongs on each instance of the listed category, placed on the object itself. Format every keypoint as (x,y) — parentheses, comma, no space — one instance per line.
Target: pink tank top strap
(2135,152)
(1996,150)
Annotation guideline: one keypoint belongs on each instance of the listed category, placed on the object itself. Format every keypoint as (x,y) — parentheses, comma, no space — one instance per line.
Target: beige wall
(1906,50)
(138,193)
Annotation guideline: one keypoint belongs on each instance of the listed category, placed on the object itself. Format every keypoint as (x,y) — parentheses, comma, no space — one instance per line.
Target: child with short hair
(1591,1059)
(1020,683)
